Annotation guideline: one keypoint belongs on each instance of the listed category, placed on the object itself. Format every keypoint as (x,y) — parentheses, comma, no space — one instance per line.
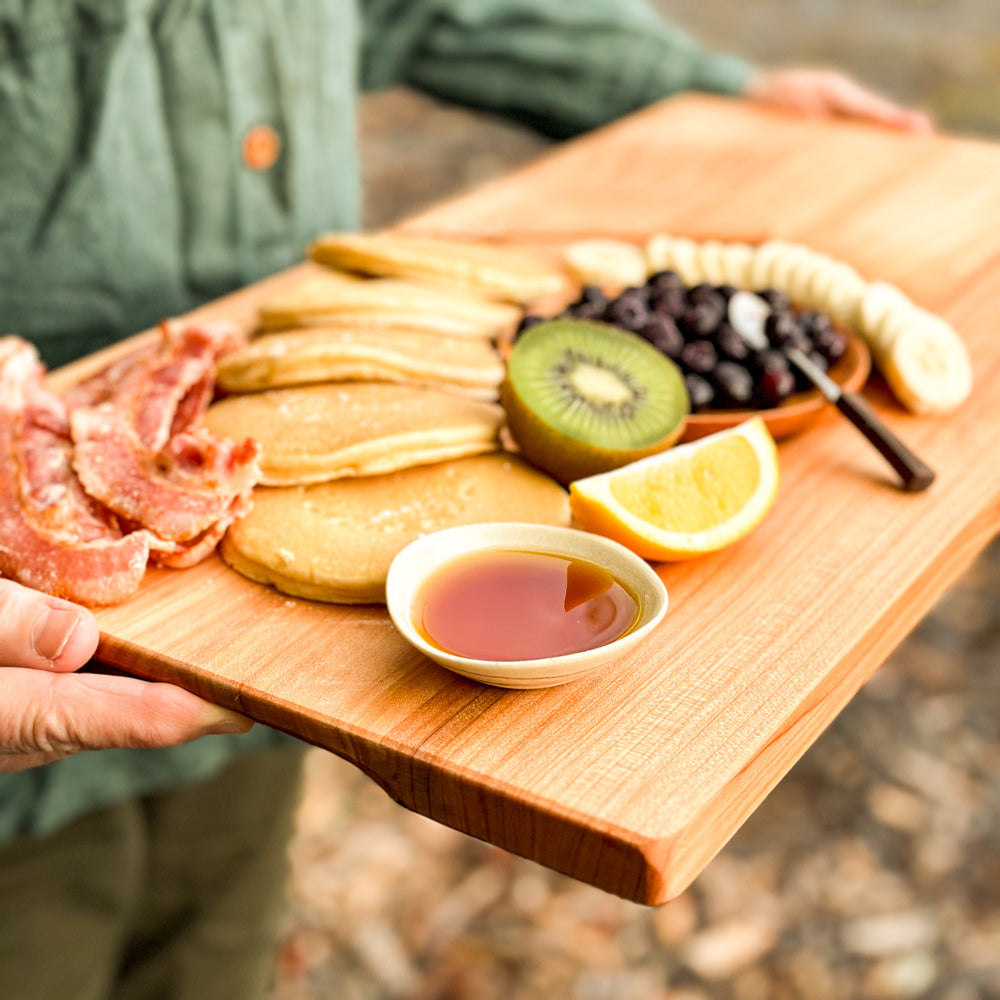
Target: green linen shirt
(126,195)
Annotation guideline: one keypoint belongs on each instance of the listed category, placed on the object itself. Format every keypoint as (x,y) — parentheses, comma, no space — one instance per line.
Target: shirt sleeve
(561,67)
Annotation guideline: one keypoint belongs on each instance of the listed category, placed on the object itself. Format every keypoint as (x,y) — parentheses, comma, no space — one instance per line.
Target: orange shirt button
(261,147)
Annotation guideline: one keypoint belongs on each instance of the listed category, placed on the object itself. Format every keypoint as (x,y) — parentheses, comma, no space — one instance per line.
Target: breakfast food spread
(309,434)
(493,272)
(119,472)
(370,421)
(334,541)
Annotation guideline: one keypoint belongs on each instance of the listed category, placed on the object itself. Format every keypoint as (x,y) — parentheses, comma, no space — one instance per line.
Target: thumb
(45,716)
(43,632)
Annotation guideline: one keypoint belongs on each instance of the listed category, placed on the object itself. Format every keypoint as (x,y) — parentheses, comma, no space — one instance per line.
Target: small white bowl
(415,563)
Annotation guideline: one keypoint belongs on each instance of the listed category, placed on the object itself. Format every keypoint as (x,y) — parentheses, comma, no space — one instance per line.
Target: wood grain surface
(633,779)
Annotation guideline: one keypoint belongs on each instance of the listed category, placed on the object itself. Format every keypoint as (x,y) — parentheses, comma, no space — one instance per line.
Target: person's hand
(48,712)
(827,92)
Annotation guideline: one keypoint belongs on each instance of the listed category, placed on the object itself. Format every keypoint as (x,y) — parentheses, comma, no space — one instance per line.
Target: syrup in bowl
(521,605)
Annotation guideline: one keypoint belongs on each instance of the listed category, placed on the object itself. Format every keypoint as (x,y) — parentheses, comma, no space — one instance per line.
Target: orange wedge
(690,500)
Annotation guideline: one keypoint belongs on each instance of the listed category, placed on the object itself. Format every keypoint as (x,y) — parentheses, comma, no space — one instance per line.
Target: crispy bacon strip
(164,387)
(53,537)
(170,492)
(53,493)
(190,553)
(137,447)
(139,451)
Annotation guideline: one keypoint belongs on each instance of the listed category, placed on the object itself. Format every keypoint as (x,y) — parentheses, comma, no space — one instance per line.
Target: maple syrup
(513,605)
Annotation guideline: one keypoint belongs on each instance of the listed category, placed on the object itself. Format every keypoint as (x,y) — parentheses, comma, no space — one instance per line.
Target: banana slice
(659,248)
(783,258)
(760,271)
(737,263)
(710,261)
(685,261)
(606,262)
(891,323)
(877,313)
(804,268)
(674,253)
(838,291)
(923,359)
(927,365)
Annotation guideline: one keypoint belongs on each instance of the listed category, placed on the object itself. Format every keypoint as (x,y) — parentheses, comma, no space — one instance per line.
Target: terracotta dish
(800,410)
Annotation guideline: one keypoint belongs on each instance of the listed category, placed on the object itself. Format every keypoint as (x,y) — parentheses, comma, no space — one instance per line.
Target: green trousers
(175,897)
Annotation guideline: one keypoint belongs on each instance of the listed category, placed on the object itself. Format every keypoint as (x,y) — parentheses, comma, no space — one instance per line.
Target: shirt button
(261,147)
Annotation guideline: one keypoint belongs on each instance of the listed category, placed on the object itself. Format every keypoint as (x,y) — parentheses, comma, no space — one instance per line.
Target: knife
(748,312)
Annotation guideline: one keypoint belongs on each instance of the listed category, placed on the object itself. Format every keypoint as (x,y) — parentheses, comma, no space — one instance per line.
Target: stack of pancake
(372,391)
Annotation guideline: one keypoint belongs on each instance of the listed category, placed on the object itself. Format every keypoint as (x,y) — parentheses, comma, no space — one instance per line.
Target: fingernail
(221,720)
(52,631)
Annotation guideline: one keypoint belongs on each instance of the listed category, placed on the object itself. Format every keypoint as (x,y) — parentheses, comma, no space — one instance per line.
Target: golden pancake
(335,541)
(309,434)
(498,272)
(332,299)
(325,354)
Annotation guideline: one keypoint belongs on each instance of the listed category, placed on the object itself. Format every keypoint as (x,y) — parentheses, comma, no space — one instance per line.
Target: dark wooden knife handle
(915,474)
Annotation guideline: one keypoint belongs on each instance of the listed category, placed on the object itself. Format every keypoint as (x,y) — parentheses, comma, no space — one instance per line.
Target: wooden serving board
(633,779)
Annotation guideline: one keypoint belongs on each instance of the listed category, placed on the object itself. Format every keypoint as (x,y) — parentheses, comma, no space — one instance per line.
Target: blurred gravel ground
(872,870)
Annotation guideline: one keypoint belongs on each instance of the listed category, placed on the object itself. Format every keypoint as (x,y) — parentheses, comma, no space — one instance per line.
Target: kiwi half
(584,397)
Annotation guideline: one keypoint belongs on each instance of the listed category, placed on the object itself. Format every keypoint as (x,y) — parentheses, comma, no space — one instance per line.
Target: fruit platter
(677,293)
(726,380)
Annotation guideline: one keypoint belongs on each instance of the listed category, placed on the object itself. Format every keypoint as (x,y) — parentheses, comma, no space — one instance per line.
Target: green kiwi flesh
(584,397)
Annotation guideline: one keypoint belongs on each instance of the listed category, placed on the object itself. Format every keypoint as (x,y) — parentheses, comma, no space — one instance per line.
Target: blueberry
(587,310)
(669,300)
(662,333)
(831,343)
(527,322)
(814,322)
(706,294)
(734,382)
(661,281)
(770,360)
(779,326)
(774,387)
(783,330)
(640,292)
(628,310)
(729,343)
(699,356)
(701,320)
(778,301)
(592,293)
(702,292)
(700,391)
